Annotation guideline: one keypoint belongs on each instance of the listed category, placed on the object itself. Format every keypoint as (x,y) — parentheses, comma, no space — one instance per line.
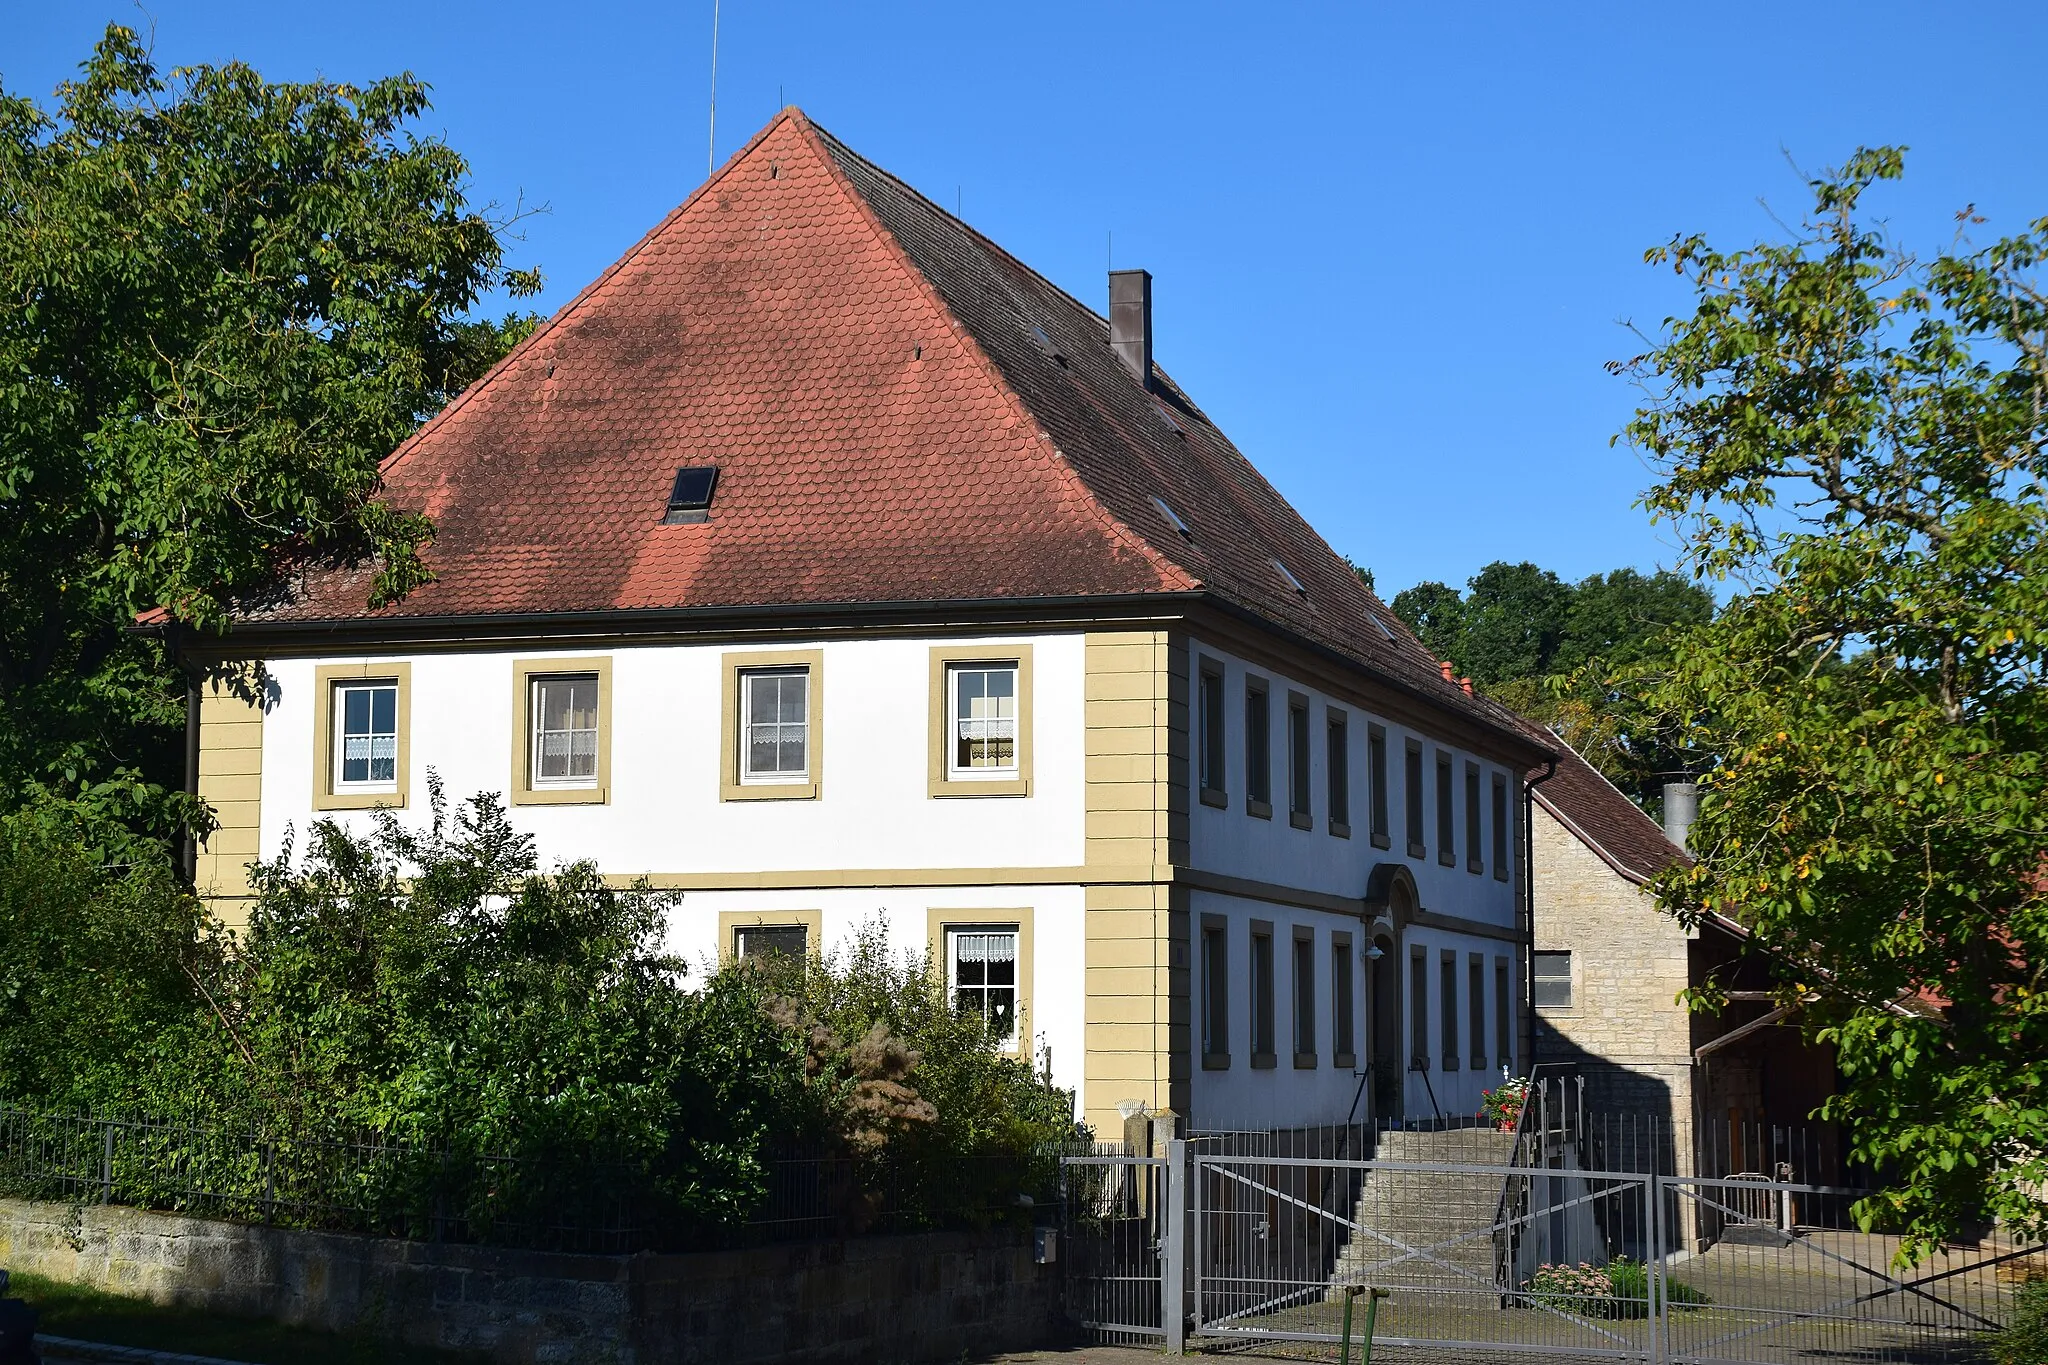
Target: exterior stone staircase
(1425,1210)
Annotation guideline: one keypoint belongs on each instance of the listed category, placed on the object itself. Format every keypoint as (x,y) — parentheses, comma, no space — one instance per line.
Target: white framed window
(366,736)
(981,704)
(981,971)
(775,725)
(563,708)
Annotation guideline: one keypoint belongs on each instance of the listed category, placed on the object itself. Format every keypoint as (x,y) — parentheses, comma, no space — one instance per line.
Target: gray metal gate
(1506,1259)
(1115,1226)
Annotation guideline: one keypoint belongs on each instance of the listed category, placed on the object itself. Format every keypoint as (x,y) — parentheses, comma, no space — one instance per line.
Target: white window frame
(954,671)
(747,678)
(1013,932)
(535,733)
(338,699)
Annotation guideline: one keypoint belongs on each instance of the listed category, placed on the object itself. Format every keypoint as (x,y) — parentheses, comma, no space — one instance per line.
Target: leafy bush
(2025,1339)
(1631,1280)
(1619,1289)
(512,1043)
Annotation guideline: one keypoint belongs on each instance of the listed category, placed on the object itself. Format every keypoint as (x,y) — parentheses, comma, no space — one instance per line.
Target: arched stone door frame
(1391,901)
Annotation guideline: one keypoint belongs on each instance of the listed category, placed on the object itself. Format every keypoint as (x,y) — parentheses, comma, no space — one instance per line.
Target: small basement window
(690,499)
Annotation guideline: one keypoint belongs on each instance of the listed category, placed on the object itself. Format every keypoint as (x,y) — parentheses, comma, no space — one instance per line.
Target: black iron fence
(582,1199)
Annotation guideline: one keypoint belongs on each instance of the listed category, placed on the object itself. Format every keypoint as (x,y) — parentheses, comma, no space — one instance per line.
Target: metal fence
(570,1198)
(1574,1239)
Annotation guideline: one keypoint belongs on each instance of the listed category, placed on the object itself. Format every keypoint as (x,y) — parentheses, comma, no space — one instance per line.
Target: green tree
(1856,434)
(1625,618)
(1436,613)
(222,302)
(1514,620)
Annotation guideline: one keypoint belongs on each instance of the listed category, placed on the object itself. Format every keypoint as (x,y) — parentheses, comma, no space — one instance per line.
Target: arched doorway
(1390,902)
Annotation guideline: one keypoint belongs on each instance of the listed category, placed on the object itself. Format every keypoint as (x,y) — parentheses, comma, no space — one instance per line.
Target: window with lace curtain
(981,964)
(366,737)
(982,704)
(565,730)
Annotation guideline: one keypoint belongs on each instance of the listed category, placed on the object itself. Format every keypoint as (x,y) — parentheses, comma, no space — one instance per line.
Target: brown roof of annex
(899,410)
(1600,817)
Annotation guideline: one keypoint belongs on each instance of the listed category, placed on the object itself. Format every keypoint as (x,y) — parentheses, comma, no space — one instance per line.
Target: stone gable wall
(1626,1029)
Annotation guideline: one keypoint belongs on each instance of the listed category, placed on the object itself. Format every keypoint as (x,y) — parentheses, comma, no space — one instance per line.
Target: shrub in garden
(2025,1339)
(522,1028)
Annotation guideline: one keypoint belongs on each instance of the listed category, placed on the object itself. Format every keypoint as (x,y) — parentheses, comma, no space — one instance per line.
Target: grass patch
(70,1310)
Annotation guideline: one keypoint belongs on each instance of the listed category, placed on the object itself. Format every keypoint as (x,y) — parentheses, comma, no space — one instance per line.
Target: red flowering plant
(1502,1105)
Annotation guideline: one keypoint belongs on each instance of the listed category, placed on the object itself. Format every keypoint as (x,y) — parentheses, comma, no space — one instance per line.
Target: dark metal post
(107,1164)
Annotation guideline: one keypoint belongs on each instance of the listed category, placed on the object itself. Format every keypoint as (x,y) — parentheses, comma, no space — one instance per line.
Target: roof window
(690,499)
(1048,345)
(1173,519)
(1385,629)
(1292,581)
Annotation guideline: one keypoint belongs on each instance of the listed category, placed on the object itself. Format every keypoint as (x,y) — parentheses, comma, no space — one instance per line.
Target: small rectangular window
(1553,984)
(564,710)
(1411,782)
(1304,996)
(1500,827)
(1343,1003)
(1336,741)
(771,940)
(1258,748)
(1446,812)
(982,701)
(1418,1009)
(1472,831)
(1215,992)
(775,724)
(1503,1017)
(1298,811)
(1214,784)
(366,736)
(1262,993)
(981,967)
(1475,1005)
(1449,1006)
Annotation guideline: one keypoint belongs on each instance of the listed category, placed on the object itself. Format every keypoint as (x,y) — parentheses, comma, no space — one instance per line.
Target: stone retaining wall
(883,1299)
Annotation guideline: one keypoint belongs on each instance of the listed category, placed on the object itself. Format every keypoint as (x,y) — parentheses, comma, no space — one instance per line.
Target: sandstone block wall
(1625,1028)
(927,1297)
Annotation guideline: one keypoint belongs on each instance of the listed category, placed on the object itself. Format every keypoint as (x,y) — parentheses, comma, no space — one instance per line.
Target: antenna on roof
(711,139)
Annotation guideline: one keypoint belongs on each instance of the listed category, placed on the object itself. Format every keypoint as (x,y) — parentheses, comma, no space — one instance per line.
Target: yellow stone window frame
(940,781)
(524,792)
(327,679)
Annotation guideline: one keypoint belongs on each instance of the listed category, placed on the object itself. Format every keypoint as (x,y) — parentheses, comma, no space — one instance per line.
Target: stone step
(1425,1209)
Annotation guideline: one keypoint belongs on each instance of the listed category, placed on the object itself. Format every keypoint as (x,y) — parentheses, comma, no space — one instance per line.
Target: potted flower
(1502,1105)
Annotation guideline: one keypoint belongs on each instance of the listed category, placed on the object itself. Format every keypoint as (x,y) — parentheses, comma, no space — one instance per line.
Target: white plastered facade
(876,843)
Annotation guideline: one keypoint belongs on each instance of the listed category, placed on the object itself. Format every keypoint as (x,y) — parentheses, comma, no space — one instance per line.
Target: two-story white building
(823,561)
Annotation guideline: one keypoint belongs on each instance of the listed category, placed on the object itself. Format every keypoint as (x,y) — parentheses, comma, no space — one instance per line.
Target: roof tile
(865,371)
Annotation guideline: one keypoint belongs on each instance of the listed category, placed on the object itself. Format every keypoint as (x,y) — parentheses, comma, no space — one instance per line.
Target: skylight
(1173,520)
(1292,581)
(1047,345)
(1385,629)
(690,499)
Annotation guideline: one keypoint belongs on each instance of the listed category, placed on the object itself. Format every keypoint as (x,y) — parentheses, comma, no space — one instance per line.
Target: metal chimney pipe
(1130,321)
(1681,804)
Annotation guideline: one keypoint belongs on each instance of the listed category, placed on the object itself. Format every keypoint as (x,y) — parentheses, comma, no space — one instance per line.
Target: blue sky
(1392,244)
